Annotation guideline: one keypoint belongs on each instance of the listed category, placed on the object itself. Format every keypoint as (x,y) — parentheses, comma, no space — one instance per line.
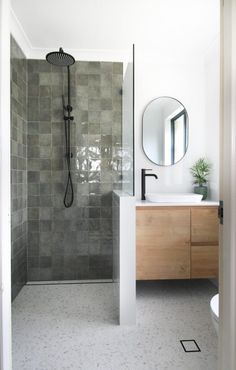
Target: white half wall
(124,257)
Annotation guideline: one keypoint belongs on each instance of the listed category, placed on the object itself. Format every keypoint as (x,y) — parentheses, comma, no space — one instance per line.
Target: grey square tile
(33,152)
(106,104)
(33,109)
(33,213)
(33,140)
(33,201)
(45,91)
(81,67)
(45,176)
(44,78)
(106,92)
(94,67)
(117,80)
(33,176)
(33,127)
(33,226)
(106,67)
(44,127)
(43,66)
(94,247)
(82,103)
(33,189)
(45,226)
(94,80)
(117,68)
(45,151)
(45,139)
(45,200)
(94,212)
(94,91)
(94,104)
(106,80)
(82,79)
(45,273)
(83,250)
(45,164)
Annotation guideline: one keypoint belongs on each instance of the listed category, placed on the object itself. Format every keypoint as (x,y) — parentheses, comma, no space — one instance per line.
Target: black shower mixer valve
(71,118)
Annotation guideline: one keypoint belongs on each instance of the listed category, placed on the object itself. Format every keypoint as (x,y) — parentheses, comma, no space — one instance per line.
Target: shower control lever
(67,108)
(71,118)
(71,155)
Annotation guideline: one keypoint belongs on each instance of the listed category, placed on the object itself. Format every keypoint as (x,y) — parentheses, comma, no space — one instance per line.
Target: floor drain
(190,345)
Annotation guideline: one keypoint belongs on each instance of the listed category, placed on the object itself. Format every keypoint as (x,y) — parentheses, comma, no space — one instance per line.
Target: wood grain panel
(163,243)
(204,261)
(204,225)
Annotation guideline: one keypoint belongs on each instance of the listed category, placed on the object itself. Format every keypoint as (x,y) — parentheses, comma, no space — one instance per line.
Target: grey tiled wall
(74,243)
(18,167)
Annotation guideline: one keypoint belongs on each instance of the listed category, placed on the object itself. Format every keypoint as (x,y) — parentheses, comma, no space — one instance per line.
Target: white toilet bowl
(215,311)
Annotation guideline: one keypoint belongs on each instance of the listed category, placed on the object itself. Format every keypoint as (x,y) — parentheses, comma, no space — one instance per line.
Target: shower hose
(69,192)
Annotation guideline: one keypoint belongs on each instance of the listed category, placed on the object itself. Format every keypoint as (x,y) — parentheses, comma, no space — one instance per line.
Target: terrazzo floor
(73,327)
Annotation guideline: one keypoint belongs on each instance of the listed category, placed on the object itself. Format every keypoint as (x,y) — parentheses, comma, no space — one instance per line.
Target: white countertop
(145,203)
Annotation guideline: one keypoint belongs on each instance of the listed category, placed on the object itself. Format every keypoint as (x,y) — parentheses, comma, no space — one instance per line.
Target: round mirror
(165,131)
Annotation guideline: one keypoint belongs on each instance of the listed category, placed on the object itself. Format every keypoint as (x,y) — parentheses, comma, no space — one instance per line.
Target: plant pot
(201,190)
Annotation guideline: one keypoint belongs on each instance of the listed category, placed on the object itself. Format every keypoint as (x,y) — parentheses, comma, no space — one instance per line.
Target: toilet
(215,311)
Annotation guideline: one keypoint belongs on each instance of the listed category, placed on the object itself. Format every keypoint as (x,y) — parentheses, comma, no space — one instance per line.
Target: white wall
(212,96)
(96,25)
(186,81)
(195,83)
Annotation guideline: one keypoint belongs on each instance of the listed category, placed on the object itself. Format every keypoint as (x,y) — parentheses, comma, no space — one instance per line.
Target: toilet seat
(215,306)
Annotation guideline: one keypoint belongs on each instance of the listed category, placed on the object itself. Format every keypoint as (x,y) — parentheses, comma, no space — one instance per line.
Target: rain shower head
(60,58)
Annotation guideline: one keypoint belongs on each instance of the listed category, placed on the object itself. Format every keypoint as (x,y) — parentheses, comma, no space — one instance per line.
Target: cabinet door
(204,261)
(204,240)
(163,243)
(204,225)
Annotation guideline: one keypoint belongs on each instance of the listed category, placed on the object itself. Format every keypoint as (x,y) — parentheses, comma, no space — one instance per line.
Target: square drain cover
(190,345)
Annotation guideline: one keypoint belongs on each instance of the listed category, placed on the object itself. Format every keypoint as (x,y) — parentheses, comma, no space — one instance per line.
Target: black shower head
(60,58)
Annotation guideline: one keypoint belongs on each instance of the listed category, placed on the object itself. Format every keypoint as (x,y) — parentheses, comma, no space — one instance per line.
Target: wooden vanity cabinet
(176,242)
(163,243)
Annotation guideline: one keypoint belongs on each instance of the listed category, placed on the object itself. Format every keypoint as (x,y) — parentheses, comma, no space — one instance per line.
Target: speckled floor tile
(73,327)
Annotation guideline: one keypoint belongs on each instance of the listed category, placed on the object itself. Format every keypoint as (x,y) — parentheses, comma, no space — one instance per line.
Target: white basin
(173,197)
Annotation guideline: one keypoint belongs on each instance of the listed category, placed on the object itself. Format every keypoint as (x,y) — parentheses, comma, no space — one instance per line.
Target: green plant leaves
(200,171)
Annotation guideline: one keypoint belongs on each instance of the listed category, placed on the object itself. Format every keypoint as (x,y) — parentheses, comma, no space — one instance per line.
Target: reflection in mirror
(165,131)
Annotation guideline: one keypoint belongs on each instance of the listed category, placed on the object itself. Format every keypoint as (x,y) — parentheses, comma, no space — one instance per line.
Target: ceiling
(186,26)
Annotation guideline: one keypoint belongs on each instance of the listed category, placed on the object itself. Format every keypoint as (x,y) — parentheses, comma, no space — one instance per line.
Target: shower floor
(73,327)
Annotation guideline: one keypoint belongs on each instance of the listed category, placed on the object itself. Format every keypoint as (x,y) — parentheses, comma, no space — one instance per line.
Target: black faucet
(143,181)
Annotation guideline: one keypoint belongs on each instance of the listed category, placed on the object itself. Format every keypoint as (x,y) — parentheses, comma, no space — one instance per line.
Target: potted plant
(200,172)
